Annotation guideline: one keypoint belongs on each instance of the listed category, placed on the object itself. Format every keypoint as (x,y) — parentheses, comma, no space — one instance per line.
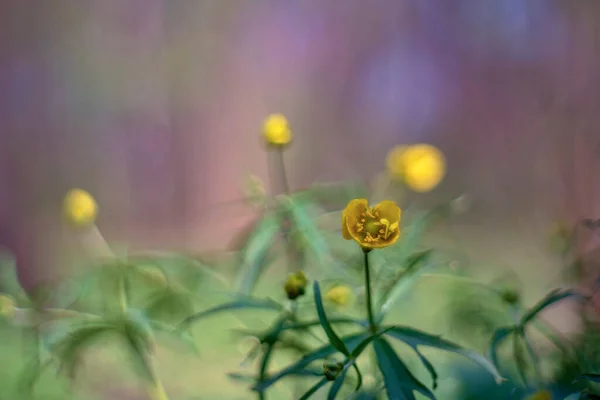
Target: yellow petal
(423,167)
(352,214)
(345,231)
(390,211)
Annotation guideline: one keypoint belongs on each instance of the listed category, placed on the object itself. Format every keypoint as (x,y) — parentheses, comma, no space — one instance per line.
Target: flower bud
(276,130)
(510,296)
(79,208)
(295,286)
(332,370)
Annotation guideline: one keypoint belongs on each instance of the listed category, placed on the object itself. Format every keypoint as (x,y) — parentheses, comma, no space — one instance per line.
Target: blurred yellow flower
(421,166)
(80,208)
(276,130)
(540,395)
(8,308)
(339,295)
(371,227)
(295,285)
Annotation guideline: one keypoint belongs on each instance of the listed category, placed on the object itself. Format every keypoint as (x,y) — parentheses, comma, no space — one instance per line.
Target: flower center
(373,227)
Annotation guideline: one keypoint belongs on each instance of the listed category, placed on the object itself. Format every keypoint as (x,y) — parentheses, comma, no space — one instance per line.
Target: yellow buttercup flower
(371,227)
(8,308)
(540,395)
(80,208)
(295,285)
(276,130)
(421,166)
(339,295)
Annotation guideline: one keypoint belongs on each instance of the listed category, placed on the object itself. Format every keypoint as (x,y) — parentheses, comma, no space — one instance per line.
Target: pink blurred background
(155,107)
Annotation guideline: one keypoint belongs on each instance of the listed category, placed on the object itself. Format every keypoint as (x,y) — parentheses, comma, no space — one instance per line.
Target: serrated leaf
(400,383)
(325,351)
(414,338)
(551,298)
(243,303)
(255,251)
(334,339)
(497,339)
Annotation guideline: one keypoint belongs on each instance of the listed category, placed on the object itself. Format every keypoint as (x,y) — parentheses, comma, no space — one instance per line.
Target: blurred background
(156,106)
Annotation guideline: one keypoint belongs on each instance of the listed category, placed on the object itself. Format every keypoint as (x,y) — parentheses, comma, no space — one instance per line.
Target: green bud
(510,296)
(295,285)
(332,370)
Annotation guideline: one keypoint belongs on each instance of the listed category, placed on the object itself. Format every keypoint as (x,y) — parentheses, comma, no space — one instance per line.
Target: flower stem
(372,325)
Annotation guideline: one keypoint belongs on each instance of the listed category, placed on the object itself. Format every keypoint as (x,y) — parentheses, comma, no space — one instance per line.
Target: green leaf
(304,226)
(406,278)
(255,251)
(414,338)
(242,303)
(169,305)
(362,345)
(9,280)
(70,349)
(551,298)
(400,383)
(181,335)
(137,334)
(338,383)
(518,357)
(429,367)
(498,337)
(308,324)
(334,339)
(325,351)
(314,389)
(590,377)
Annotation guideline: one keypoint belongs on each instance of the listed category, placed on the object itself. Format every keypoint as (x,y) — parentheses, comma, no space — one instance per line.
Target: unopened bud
(295,286)
(332,370)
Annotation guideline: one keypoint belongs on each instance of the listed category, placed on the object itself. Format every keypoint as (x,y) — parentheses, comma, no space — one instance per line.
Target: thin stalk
(372,325)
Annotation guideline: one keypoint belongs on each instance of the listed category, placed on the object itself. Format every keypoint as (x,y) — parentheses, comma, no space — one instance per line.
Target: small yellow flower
(540,395)
(277,131)
(80,208)
(371,227)
(339,295)
(421,166)
(295,285)
(7,306)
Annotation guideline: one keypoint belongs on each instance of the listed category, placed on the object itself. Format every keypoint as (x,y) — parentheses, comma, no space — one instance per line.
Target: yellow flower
(339,295)
(277,130)
(80,208)
(295,285)
(371,227)
(421,166)
(540,395)
(7,306)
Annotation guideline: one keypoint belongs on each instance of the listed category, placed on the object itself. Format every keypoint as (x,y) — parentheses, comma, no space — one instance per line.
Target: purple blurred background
(155,107)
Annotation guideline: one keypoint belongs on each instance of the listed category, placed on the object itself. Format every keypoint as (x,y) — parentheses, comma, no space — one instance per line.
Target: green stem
(372,325)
